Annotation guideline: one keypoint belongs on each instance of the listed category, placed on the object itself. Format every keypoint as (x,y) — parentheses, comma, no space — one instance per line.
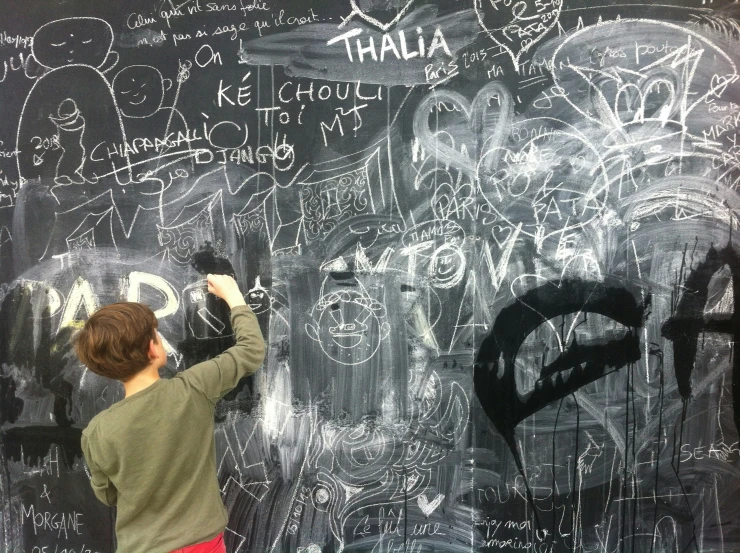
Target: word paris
(387,45)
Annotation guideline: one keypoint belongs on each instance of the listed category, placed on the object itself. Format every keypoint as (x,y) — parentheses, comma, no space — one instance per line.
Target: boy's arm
(216,377)
(104,489)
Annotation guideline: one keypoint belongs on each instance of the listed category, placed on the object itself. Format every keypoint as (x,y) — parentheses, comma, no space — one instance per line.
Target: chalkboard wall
(492,246)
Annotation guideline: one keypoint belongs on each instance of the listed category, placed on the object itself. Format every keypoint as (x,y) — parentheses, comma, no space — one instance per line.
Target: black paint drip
(495,366)
(688,321)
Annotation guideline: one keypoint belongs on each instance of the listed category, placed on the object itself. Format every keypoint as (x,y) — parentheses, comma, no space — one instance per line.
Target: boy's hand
(226,288)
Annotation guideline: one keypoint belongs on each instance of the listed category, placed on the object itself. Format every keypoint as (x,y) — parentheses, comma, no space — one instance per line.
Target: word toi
(388,45)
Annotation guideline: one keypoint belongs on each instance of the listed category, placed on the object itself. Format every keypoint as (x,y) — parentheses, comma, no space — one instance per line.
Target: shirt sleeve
(104,489)
(217,376)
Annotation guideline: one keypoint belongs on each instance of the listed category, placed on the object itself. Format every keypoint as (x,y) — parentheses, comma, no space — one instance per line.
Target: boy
(152,454)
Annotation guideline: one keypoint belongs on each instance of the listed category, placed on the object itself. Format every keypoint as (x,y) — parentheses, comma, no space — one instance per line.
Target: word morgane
(388,45)
(60,523)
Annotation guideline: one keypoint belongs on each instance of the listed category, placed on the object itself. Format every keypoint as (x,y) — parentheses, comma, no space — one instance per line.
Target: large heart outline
(476,113)
(525,44)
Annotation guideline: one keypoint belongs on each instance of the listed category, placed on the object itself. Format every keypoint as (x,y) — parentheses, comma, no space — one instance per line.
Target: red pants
(216,545)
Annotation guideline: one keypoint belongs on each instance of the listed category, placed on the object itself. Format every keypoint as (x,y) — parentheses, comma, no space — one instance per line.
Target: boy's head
(119,340)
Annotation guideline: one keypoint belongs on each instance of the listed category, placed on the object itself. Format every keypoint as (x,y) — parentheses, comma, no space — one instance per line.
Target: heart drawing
(516,26)
(357,11)
(487,137)
(426,507)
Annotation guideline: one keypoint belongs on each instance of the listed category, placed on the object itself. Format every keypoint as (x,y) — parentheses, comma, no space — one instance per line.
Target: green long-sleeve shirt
(153,453)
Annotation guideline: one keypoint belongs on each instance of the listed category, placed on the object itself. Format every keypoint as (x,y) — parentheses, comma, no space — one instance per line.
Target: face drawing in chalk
(349,325)
(258,298)
(151,127)
(139,90)
(72,99)
(77,40)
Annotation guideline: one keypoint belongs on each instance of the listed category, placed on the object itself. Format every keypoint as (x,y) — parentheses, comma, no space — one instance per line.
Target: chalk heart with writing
(486,136)
(517,25)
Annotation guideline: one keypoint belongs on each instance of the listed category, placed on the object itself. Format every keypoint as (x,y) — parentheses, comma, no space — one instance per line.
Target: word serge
(388,46)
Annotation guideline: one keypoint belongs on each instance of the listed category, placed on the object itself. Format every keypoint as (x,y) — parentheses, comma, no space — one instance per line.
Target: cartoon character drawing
(75,52)
(258,298)
(71,129)
(151,128)
(349,325)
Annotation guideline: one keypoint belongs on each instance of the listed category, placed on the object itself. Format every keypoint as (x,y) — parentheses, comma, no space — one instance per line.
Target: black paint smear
(495,385)
(206,262)
(688,321)
(35,217)
(11,407)
(342,275)
(49,359)
(16,324)
(6,256)
(61,353)
(659,354)
(499,396)
(208,344)
(31,444)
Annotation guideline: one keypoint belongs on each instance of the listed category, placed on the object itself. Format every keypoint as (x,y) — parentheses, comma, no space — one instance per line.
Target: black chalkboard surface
(492,246)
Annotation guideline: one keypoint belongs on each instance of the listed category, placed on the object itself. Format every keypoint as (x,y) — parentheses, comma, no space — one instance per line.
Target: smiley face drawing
(71,102)
(139,90)
(140,93)
(75,40)
(258,298)
(349,325)
(75,53)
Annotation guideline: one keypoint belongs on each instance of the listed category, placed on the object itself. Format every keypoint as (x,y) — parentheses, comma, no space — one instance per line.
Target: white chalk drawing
(358,11)
(349,325)
(332,196)
(517,26)
(71,128)
(390,215)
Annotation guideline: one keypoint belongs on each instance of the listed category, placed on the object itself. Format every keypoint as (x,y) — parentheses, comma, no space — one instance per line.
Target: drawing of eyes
(59,44)
(88,41)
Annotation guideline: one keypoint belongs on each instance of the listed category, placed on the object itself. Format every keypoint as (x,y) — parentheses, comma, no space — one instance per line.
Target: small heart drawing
(517,26)
(501,234)
(426,507)
(358,11)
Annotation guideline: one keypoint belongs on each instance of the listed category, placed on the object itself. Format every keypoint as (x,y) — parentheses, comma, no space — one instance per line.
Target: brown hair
(115,340)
